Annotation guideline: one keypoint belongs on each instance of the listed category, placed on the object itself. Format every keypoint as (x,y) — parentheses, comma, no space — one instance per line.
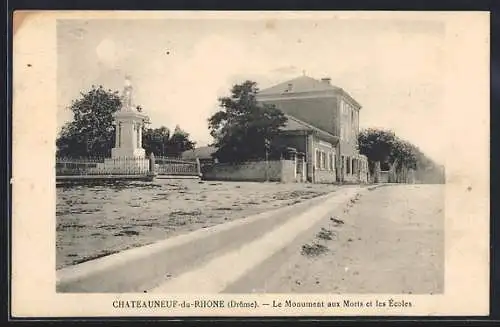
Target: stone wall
(325,177)
(256,171)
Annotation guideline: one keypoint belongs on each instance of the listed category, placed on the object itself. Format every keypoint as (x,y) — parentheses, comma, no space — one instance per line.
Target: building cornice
(350,98)
(129,115)
(297,95)
(308,95)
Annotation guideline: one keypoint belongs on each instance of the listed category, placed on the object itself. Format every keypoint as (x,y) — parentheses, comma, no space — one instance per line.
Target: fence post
(267,144)
(152,166)
(198,167)
(376,177)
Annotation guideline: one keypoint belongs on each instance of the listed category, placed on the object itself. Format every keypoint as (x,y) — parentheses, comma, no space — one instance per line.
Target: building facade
(311,148)
(331,110)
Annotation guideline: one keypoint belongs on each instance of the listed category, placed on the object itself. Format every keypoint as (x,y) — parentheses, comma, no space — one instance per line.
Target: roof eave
(328,137)
(295,132)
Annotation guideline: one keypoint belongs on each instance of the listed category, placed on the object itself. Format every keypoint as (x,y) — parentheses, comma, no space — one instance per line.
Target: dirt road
(388,240)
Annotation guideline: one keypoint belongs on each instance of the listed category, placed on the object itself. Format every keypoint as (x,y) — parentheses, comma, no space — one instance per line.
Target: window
(348,164)
(324,160)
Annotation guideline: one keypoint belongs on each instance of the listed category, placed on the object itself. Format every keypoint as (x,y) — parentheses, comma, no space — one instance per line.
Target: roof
(303,84)
(204,152)
(295,124)
(298,85)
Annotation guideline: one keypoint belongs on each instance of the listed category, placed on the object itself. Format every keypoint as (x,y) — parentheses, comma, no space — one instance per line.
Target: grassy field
(94,221)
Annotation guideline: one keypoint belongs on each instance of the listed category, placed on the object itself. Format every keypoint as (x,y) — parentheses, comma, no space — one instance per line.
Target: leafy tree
(404,153)
(429,171)
(160,142)
(376,145)
(386,147)
(91,133)
(155,140)
(179,142)
(243,129)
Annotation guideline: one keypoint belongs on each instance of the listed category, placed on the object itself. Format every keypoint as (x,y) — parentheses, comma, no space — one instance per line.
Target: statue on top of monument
(127,95)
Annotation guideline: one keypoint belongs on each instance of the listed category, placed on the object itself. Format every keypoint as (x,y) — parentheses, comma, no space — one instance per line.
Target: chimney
(326,80)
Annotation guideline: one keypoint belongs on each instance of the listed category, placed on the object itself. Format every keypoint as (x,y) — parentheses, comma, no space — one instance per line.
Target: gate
(177,167)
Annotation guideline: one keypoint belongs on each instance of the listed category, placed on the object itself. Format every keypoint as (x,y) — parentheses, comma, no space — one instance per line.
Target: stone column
(120,136)
(140,135)
(117,135)
(137,142)
(134,135)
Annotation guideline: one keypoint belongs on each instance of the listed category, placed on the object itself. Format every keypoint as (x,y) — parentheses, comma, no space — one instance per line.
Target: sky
(179,68)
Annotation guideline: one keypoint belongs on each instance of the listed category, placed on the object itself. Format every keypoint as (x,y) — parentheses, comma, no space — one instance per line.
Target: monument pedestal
(117,153)
(125,166)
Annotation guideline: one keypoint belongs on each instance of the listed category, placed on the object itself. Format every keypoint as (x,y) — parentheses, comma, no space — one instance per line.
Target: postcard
(204,163)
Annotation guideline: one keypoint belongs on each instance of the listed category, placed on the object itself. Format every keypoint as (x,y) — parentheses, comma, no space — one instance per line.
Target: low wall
(86,179)
(325,176)
(256,171)
(102,166)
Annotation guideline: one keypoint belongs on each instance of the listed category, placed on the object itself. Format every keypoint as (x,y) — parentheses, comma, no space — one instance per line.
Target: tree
(386,147)
(155,140)
(404,153)
(377,145)
(428,171)
(91,133)
(179,142)
(160,142)
(243,127)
